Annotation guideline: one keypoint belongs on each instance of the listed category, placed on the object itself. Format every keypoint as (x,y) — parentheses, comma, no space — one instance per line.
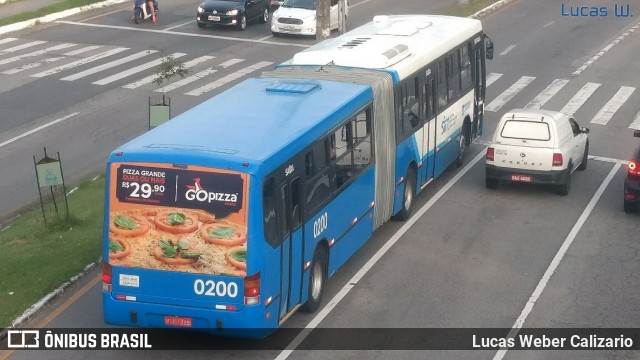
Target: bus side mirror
(585,130)
(489,49)
(636,133)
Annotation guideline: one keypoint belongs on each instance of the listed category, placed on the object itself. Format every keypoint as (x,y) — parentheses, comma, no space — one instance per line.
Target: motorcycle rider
(151,5)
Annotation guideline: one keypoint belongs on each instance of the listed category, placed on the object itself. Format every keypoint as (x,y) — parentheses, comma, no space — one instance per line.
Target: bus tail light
(632,167)
(106,276)
(557,159)
(252,289)
(490,153)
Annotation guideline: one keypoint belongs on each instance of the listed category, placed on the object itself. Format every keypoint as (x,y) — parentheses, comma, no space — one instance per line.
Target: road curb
(55,16)
(491,8)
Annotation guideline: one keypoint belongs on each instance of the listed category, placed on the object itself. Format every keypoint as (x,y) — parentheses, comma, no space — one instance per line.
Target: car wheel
(317,278)
(629,207)
(201,25)
(265,16)
(408,196)
(563,189)
(585,157)
(243,22)
(491,183)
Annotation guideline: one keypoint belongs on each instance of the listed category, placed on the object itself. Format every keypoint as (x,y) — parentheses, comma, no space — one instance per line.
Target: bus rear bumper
(244,324)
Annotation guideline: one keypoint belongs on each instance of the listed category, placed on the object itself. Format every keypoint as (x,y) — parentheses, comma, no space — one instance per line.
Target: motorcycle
(141,10)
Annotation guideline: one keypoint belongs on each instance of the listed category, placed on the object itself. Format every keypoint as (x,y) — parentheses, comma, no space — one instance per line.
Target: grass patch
(49,9)
(465,10)
(35,259)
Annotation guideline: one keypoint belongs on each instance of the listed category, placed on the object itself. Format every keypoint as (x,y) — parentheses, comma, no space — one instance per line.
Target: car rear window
(528,130)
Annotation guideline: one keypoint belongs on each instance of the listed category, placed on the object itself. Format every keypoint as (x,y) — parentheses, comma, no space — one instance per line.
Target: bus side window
(362,152)
(269,213)
(453,75)
(281,213)
(296,205)
(465,68)
(429,99)
(410,106)
(342,148)
(442,87)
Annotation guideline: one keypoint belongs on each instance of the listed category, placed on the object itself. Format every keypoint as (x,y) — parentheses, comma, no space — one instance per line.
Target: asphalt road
(471,257)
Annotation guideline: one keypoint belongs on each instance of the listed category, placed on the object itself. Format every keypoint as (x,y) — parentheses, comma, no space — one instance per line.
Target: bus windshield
(185,220)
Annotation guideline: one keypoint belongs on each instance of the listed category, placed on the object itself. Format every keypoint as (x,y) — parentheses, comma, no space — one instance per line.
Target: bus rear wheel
(408,196)
(317,278)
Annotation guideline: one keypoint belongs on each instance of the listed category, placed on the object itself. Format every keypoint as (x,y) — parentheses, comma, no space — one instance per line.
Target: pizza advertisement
(178,219)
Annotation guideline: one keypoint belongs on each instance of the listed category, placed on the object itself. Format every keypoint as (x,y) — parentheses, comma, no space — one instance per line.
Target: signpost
(51,186)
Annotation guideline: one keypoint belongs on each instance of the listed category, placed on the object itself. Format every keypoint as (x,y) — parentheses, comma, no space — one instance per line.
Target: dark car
(232,12)
(632,182)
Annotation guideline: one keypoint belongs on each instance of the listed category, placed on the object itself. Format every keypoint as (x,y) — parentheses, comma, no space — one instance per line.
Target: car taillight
(633,168)
(106,276)
(557,159)
(490,152)
(252,289)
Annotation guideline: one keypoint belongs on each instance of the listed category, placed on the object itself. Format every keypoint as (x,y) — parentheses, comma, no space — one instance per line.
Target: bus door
(428,97)
(291,259)
(479,84)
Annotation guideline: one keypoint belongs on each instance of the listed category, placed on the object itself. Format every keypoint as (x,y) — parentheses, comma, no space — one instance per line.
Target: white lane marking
(72,191)
(183,34)
(38,128)
(177,26)
(6,40)
(109,65)
(31,65)
(149,79)
(96,178)
(580,98)
(609,160)
(265,38)
(82,50)
(611,107)
(604,50)
(547,93)
(636,122)
(508,94)
(374,259)
(231,77)
(358,4)
(506,51)
(556,260)
(35,53)
(80,62)
(21,47)
(134,70)
(491,78)
(198,76)
(549,24)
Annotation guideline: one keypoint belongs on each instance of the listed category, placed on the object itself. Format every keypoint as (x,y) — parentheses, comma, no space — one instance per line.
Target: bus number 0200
(213,288)
(320,225)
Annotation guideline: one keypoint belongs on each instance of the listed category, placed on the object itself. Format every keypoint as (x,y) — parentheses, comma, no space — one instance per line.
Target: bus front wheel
(317,278)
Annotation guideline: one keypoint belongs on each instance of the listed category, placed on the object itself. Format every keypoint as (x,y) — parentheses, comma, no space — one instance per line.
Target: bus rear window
(527,130)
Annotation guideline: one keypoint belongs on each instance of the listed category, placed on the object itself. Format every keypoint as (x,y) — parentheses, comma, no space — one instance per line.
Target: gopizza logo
(196,192)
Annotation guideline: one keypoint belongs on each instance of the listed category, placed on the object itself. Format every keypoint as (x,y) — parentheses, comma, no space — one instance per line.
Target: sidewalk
(10,8)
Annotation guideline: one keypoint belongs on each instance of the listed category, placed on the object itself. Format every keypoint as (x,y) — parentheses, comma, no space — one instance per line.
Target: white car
(536,146)
(298,17)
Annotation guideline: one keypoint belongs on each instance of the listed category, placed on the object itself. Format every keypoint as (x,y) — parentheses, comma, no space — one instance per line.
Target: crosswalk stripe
(21,47)
(187,80)
(31,66)
(198,76)
(547,93)
(231,77)
(149,79)
(7,40)
(134,70)
(492,77)
(82,50)
(636,122)
(580,98)
(80,62)
(35,53)
(508,94)
(109,65)
(611,107)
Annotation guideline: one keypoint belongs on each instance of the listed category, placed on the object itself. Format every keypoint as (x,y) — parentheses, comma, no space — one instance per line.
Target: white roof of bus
(401,43)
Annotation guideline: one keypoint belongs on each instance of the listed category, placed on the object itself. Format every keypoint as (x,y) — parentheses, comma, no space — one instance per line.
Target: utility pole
(342,16)
(323,29)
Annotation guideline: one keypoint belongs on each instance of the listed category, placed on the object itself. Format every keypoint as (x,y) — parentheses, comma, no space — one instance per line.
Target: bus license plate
(521,178)
(178,321)
(214,18)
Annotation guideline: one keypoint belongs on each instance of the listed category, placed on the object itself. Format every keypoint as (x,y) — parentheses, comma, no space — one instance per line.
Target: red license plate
(178,321)
(521,178)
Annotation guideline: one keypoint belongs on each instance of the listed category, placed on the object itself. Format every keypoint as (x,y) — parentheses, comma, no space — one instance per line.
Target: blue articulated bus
(231,216)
